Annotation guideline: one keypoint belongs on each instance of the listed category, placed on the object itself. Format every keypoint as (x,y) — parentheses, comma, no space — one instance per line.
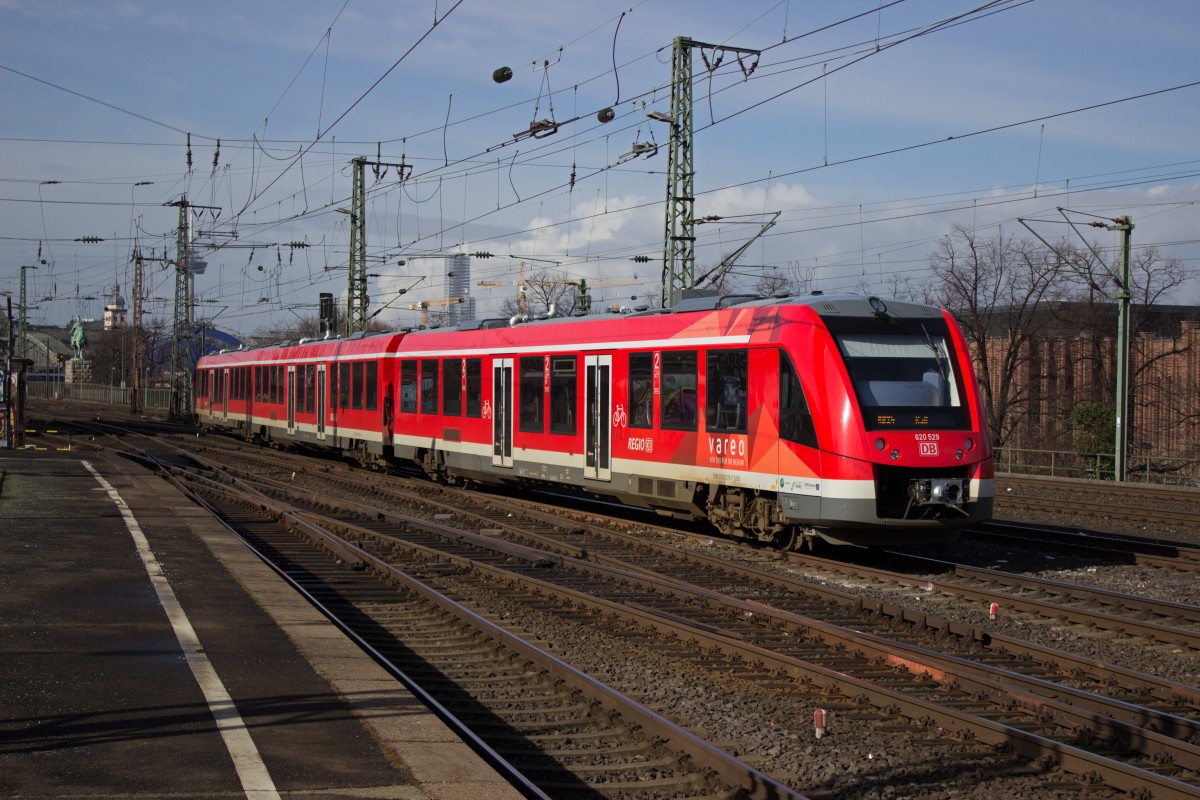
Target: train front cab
(906,455)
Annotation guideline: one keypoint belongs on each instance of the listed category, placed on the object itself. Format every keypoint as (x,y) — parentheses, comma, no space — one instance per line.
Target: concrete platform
(105,695)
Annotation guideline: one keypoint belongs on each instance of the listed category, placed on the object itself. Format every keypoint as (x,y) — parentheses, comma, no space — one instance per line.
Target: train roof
(706,317)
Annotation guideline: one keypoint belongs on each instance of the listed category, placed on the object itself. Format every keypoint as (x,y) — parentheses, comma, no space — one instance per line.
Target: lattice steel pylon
(356,296)
(138,337)
(181,325)
(679,236)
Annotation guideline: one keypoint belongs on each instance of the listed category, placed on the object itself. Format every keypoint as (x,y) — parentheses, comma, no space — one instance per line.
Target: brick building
(1069,358)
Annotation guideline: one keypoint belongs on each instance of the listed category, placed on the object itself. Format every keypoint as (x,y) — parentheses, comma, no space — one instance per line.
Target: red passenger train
(839,417)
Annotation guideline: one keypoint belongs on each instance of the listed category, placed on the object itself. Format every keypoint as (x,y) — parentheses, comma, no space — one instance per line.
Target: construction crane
(425,305)
(583,287)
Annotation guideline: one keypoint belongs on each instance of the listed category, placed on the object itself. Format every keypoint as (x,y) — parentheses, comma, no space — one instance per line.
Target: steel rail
(754,784)
(1033,746)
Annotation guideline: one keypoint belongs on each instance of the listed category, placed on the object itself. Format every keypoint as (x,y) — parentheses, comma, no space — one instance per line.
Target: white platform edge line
(252,772)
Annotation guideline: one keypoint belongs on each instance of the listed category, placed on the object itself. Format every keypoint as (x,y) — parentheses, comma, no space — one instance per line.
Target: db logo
(929,448)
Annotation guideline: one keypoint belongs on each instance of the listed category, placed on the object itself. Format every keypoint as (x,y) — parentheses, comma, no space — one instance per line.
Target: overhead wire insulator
(502,75)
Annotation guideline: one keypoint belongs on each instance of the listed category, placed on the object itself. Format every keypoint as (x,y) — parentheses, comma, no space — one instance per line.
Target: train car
(330,394)
(848,419)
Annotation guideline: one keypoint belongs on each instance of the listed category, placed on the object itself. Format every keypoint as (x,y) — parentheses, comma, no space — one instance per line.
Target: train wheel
(786,539)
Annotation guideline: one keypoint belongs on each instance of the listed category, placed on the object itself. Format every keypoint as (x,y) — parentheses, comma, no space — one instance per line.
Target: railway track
(1105,502)
(852,655)
(1061,726)
(542,525)
(1112,547)
(553,729)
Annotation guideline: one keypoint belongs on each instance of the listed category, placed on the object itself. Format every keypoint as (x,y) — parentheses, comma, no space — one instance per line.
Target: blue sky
(846,131)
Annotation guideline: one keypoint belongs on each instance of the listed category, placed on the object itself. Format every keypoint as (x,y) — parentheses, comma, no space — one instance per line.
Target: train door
(321,401)
(289,392)
(502,395)
(248,393)
(225,393)
(598,418)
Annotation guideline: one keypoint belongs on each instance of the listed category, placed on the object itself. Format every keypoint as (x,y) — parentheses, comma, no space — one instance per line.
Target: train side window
(563,394)
(408,386)
(344,384)
(641,390)
(332,388)
(475,387)
(726,390)
(532,388)
(678,410)
(371,386)
(795,419)
(452,387)
(429,386)
(356,385)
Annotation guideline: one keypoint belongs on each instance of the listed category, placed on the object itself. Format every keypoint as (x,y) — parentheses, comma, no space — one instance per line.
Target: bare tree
(996,287)
(557,290)
(905,287)
(542,291)
(110,355)
(286,329)
(155,340)
(770,284)
(1161,397)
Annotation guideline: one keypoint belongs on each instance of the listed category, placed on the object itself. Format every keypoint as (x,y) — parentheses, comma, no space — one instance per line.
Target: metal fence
(1145,468)
(98,393)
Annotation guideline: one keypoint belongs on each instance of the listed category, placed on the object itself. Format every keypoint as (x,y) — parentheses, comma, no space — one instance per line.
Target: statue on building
(78,338)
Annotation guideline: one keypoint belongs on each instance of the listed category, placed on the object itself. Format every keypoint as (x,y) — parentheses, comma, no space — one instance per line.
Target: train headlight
(880,444)
(895,454)
(969,443)
(958,454)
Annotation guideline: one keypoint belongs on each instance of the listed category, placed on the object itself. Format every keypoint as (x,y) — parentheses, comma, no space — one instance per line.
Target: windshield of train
(902,371)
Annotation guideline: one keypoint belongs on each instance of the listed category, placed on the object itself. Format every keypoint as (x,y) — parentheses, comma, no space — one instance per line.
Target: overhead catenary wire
(513,166)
